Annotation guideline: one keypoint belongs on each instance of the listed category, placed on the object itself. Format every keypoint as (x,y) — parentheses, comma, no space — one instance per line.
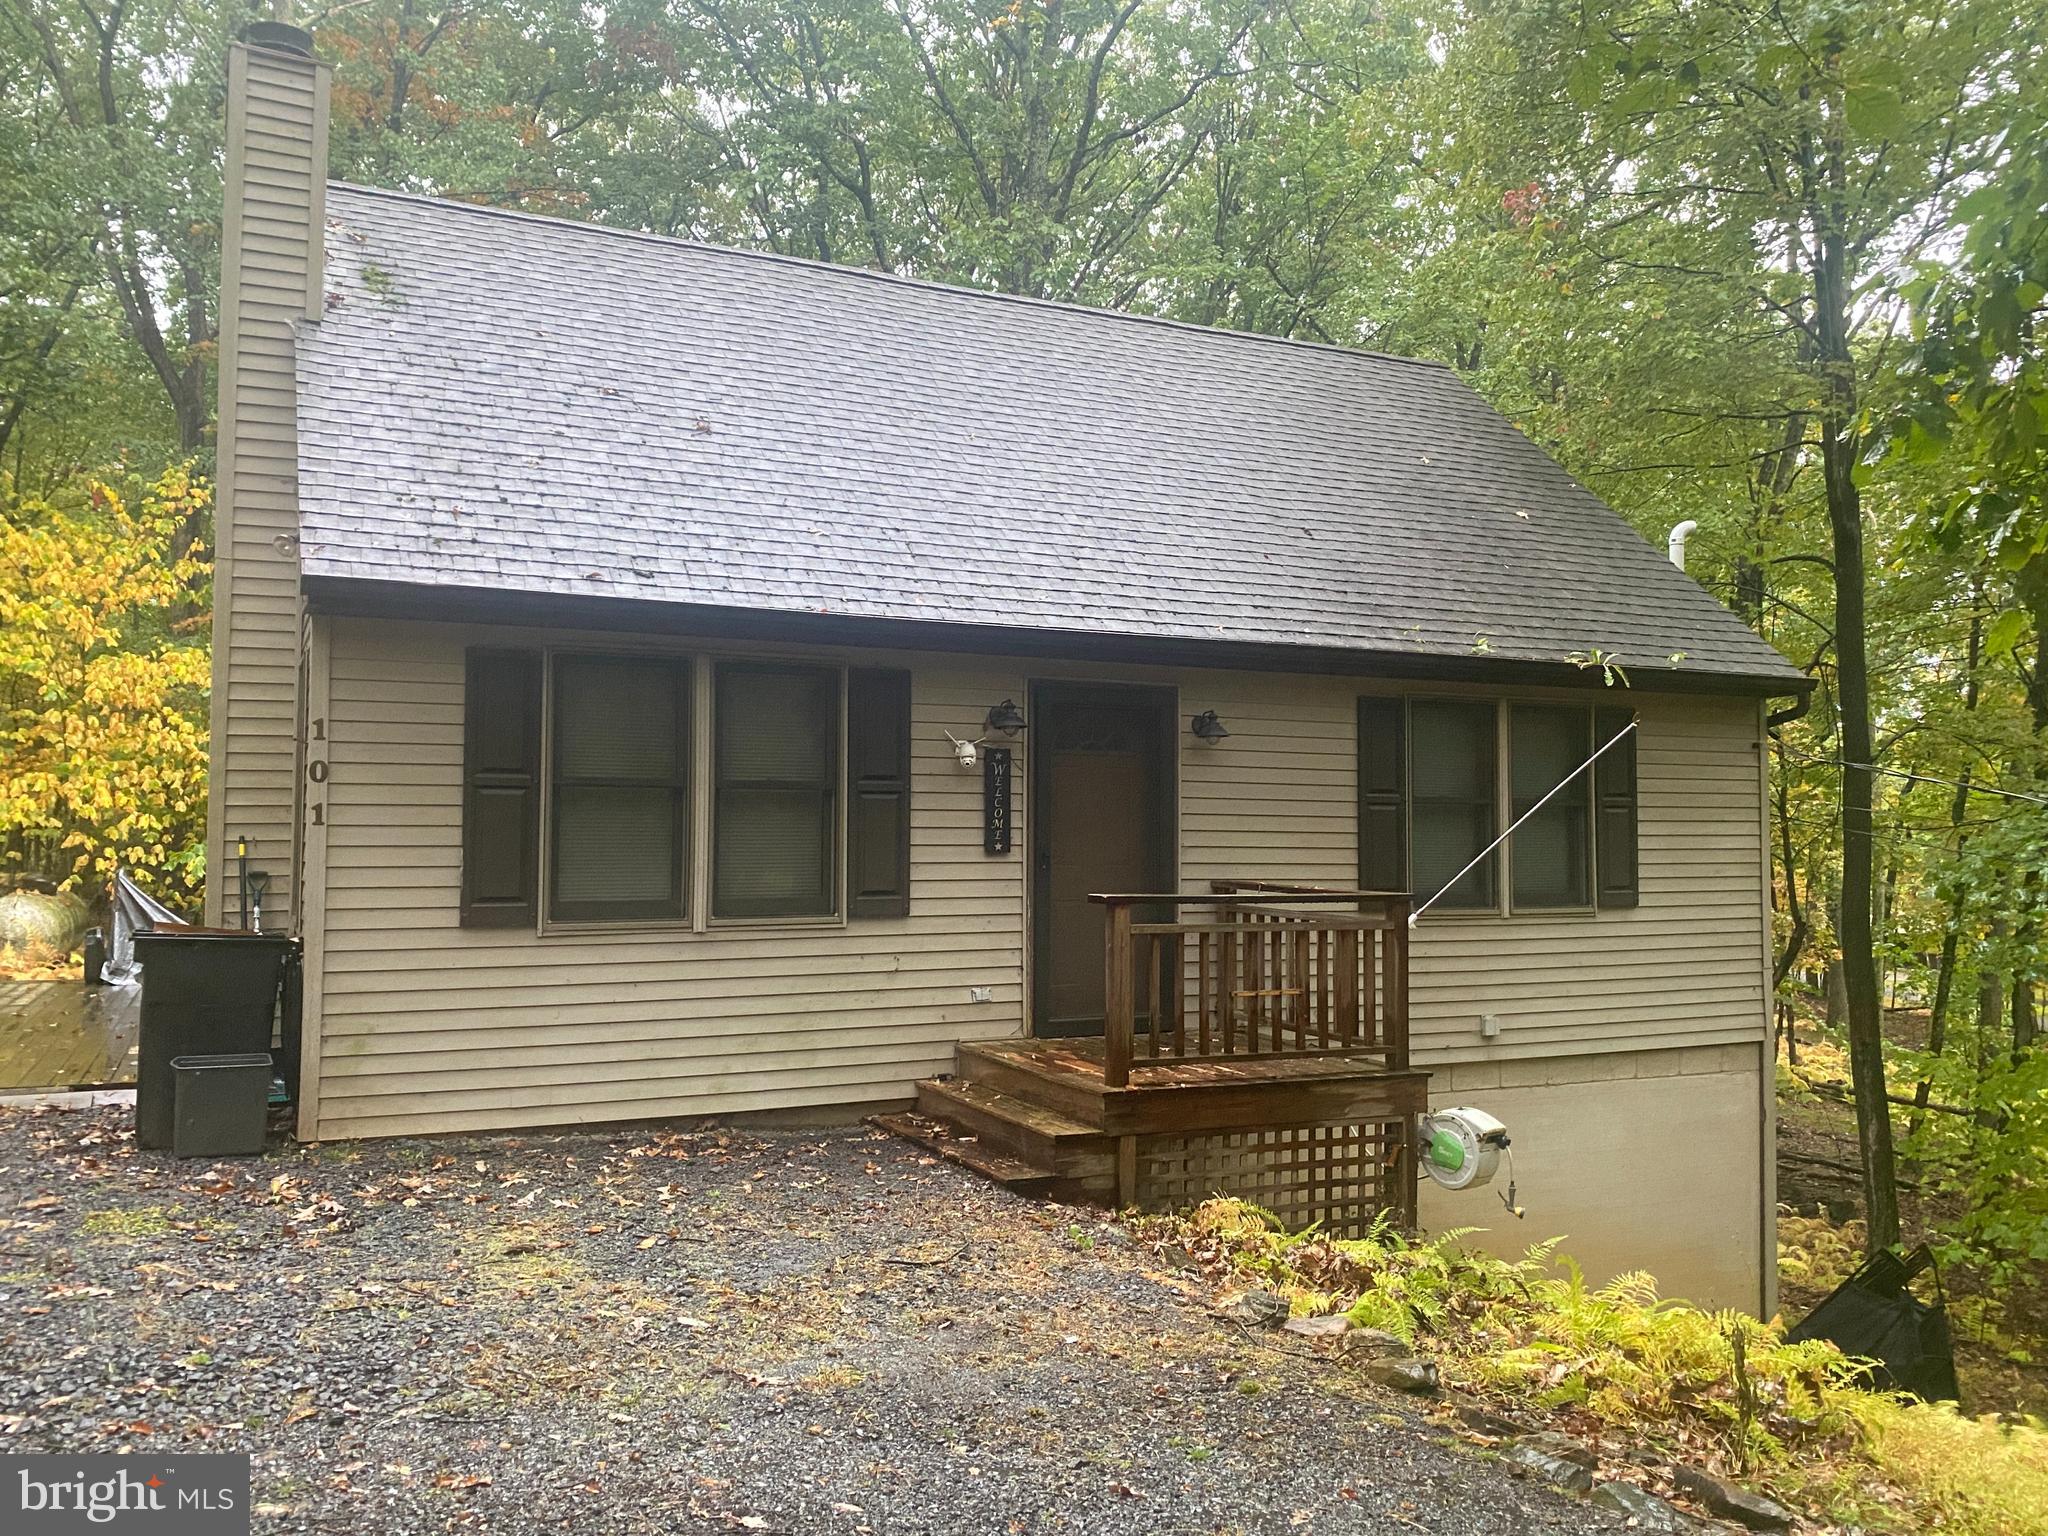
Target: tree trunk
(2033,589)
(1859,959)
(1795,910)
(1990,1002)
(1958,812)
(1832,293)
(1937,1018)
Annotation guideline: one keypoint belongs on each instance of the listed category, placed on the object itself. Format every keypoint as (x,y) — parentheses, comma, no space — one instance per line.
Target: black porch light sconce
(1208,728)
(1006,717)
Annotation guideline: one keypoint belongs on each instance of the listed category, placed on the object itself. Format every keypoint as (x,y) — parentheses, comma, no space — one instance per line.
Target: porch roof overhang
(357,597)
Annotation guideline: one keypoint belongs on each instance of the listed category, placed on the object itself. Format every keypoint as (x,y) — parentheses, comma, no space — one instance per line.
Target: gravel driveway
(648,1331)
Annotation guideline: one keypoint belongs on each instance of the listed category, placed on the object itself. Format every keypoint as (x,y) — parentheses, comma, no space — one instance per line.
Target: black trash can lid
(220,1063)
(231,936)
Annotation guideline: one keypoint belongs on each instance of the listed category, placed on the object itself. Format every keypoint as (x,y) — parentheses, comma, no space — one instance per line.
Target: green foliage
(1979,365)
(116,118)
(1793,1416)
(1966,1475)
(1992,1167)
(1534,1328)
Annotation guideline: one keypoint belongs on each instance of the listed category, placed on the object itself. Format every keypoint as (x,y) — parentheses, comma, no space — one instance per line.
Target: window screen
(620,797)
(1452,801)
(1550,854)
(776,749)
(501,778)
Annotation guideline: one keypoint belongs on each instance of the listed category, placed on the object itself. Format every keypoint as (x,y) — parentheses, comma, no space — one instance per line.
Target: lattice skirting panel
(1339,1175)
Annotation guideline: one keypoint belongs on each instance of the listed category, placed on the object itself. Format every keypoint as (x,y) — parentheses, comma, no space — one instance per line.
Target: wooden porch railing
(1270,970)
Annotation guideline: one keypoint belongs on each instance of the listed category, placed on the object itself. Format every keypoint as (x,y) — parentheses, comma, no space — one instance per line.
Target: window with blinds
(1453,801)
(619,792)
(1551,854)
(1431,794)
(775,805)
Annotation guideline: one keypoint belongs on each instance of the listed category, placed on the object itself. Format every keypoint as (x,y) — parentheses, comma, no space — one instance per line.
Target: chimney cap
(279,37)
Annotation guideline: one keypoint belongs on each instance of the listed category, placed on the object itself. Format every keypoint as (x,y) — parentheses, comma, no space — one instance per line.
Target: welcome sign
(995,799)
(124,1495)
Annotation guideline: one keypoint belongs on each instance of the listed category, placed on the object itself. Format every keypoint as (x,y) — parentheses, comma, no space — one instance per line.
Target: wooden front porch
(64,1035)
(1255,1043)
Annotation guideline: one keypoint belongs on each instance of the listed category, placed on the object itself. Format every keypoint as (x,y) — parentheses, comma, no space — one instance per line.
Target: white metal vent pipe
(1676,543)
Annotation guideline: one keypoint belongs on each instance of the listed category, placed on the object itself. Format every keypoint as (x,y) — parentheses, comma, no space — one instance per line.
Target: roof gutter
(348,596)
(1796,710)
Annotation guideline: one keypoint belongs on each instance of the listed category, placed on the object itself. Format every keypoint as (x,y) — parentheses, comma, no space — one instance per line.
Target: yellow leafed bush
(104,672)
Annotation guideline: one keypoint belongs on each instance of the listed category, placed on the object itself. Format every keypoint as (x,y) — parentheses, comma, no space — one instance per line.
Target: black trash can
(291,1023)
(219,1104)
(205,992)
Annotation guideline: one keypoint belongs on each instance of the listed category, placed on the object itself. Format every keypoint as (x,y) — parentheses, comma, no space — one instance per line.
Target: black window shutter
(1382,795)
(501,790)
(878,792)
(1614,788)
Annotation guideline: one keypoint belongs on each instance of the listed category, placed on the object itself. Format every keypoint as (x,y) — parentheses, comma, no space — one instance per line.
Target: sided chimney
(270,284)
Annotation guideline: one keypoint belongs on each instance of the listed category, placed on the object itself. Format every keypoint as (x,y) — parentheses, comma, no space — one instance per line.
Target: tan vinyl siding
(1277,799)
(430,1026)
(275,188)
(1684,968)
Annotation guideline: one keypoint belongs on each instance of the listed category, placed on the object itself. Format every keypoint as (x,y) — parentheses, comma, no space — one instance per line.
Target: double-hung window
(1551,854)
(776,828)
(650,788)
(619,788)
(1438,779)
(1454,808)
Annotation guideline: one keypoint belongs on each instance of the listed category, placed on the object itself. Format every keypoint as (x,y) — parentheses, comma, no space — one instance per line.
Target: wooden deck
(1169,1096)
(1258,1050)
(1321,1138)
(66,1035)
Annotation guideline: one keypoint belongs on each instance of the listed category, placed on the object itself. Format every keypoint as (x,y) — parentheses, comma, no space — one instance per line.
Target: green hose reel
(1462,1149)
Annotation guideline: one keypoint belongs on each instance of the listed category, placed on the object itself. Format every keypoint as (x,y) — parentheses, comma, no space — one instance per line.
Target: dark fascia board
(356,597)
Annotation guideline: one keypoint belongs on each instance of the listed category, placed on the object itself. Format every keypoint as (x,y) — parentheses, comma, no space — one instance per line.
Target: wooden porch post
(1410,1168)
(1117,1002)
(1397,985)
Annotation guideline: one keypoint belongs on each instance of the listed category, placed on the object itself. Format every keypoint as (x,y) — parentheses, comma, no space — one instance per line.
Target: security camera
(964,752)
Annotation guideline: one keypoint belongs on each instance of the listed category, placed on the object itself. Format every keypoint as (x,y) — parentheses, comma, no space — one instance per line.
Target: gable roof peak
(501,402)
(852,270)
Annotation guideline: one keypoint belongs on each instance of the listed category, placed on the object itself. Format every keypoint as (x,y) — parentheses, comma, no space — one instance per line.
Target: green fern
(1797,1417)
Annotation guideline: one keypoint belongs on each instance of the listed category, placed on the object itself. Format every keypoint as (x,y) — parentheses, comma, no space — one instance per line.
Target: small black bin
(220,1103)
(205,992)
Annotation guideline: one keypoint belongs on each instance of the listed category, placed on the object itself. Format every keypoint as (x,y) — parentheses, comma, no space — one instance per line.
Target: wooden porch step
(1073,1095)
(1019,1127)
(937,1136)
(1021,1145)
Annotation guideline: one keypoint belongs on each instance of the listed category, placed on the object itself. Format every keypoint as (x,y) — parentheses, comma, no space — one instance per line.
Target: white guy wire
(1917,778)
(1416,916)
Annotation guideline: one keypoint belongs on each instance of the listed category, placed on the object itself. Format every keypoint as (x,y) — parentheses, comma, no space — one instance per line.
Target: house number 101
(316,770)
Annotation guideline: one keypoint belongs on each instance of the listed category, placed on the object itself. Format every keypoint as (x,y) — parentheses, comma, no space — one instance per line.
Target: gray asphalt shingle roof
(494,401)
